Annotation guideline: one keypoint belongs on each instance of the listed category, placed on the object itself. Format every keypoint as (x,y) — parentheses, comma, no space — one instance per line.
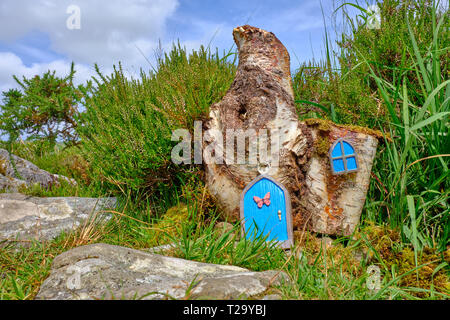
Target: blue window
(343,157)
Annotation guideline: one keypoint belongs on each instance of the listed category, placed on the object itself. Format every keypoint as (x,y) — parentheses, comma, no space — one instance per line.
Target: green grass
(395,80)
(412,170)
(315,270)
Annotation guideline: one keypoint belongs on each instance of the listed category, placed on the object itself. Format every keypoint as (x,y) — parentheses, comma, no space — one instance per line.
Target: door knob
(279,215)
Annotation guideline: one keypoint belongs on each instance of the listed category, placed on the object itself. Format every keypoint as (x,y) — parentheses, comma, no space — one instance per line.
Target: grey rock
(24,217)
(102,271)
(11,184)
(29,174)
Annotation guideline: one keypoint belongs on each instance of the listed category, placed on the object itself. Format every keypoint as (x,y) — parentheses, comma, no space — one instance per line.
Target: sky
(41,35)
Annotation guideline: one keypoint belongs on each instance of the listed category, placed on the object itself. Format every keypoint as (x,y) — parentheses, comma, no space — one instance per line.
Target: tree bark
(261,98)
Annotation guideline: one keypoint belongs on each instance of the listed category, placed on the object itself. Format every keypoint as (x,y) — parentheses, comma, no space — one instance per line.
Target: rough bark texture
(261,97)
(333,203)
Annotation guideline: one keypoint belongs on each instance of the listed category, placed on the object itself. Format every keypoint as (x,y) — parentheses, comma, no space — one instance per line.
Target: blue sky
(34,36)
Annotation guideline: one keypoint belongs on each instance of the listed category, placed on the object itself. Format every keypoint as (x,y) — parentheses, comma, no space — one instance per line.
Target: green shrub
(127,126)
(321,92)
(46,109)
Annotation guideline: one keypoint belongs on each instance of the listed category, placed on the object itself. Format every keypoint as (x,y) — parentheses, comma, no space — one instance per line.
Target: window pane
(351,163)
(348,149)
(337,152)
(338,165)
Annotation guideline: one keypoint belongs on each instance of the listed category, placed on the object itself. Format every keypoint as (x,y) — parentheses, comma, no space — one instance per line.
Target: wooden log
(333,202)
(260,104)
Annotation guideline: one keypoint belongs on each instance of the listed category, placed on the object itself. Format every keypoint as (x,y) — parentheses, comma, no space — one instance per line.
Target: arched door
(266,210)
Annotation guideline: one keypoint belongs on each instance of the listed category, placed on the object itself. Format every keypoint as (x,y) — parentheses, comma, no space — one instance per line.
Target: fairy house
(324,167)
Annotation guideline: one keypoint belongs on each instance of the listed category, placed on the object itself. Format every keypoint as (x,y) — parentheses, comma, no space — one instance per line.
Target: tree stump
(260,101)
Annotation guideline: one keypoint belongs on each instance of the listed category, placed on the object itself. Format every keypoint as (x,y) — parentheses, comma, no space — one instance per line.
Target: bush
(126,131)
(46,110)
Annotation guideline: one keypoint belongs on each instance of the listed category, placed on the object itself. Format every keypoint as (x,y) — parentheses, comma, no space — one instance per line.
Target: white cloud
(110,30)
(306,15)
(127,31)
(11,64)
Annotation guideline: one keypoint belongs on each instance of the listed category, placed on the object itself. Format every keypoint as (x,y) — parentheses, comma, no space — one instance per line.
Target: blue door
(265,207)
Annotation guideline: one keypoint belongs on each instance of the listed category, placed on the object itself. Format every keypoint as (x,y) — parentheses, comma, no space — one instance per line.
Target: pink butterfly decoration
(260,202)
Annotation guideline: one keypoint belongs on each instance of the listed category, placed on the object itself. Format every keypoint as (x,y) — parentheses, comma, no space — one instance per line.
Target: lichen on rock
(102,271)
(17,173)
